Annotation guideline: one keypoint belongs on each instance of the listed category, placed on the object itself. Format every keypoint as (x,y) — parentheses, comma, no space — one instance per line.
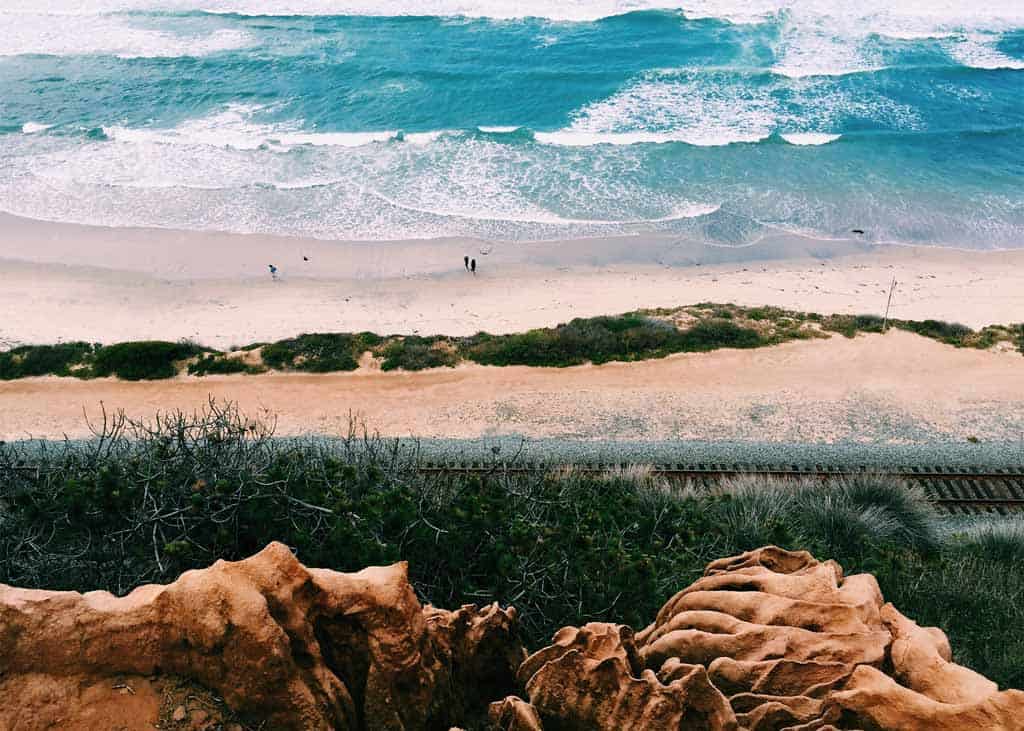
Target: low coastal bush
(640,335)
(414,353)
(144,360)
(144,502)
(218,364)
(603,339)
(43,360)
(951,333)
(320,352)
(850,325)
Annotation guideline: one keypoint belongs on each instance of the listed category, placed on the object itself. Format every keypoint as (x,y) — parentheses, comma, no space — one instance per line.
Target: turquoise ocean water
(539,119)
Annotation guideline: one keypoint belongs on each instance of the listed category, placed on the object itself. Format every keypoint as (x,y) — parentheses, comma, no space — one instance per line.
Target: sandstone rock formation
(296,648)
(768,640)
(765,641)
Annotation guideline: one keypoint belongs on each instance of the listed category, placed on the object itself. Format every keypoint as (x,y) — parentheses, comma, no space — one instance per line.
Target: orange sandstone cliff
(768,640)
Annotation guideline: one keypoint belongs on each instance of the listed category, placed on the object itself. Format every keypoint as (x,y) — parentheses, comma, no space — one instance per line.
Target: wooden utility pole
(885,320)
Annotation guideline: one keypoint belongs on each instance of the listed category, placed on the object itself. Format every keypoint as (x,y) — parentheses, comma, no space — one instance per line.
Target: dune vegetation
(145,501)
(640,335)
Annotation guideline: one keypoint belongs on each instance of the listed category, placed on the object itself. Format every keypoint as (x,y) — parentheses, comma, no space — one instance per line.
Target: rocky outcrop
(768,640)
(765,641)
(296,648)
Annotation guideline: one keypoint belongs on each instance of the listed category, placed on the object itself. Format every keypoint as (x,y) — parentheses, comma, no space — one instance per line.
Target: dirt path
(897,387)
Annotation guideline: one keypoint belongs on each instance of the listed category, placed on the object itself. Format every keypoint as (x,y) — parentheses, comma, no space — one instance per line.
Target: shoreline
(67,282)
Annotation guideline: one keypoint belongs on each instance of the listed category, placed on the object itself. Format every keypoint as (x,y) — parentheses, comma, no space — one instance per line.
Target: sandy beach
(70,282)
(898,388)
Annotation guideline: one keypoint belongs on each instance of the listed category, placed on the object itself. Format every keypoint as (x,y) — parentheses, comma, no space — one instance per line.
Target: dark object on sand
(305,258)
(472,265)
(273,271)
(465,261)
(857,230)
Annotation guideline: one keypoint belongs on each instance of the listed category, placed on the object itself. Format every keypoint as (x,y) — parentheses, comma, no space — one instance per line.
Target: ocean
(718,120)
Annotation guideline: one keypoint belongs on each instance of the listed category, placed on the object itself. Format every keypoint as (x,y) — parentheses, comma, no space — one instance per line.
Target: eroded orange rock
(294,647)
(765,641)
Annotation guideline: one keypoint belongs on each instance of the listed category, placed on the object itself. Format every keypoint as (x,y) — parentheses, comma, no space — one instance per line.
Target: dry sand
(69,282)
(893,388)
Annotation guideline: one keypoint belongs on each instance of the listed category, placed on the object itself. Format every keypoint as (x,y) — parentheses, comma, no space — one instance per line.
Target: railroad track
(954,490)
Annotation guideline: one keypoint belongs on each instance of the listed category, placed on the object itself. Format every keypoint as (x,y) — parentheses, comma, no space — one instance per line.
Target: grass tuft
(1001,541)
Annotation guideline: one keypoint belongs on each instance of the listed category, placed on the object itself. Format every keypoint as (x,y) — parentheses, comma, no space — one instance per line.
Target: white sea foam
(716,108)
(816,37)
(673,106)
(876,16)
(688,210)
(979,51)
(678,213)
(809,138)
(235,127)
(425,138)
(914,35)
(331,139)
(802,71)
(578,138)
(560,10)
(109,35)
(31,128)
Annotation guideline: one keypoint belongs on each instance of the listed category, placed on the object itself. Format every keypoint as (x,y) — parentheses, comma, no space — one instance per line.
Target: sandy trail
(897,387)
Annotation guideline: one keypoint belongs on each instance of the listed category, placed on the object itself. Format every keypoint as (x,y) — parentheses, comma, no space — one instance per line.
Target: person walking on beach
(472,266)
(465,261)
(273,271)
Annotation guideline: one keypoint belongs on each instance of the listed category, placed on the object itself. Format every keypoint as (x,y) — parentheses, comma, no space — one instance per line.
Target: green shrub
(218,364)
(143,360)
(603,339)
(947,332)
(714,334)
(596,340)
(414,353)
(769,313)
(639,335)
(43,360)
(850,325)
(319,352)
